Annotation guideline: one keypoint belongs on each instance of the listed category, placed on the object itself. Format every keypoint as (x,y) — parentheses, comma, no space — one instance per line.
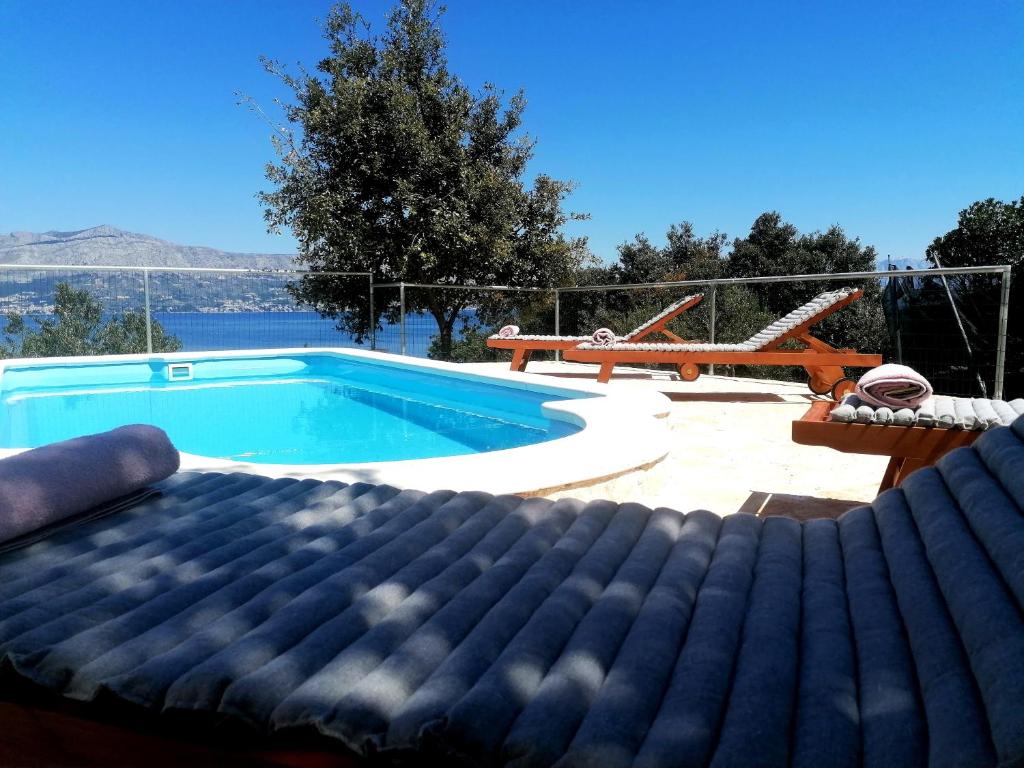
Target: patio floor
(733,451)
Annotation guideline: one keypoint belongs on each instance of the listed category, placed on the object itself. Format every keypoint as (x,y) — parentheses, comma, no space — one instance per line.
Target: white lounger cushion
(758,341)
(669,347)
(939,412)
(635,332)
(539,337)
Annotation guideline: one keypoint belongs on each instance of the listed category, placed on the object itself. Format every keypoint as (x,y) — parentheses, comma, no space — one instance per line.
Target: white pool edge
(622,432)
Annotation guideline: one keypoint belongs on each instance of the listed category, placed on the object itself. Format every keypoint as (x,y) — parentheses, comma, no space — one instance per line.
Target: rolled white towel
(893,386)
(508,331)
(604,336)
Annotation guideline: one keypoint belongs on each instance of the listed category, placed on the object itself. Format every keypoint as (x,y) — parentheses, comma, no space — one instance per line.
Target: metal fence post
(558,323)
(373,318)
(1004,320)
(149,314)
(401,317)
(713,315)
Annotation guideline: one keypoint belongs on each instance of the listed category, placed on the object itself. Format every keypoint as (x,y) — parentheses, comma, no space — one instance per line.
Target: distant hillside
(31,291)
(108,246)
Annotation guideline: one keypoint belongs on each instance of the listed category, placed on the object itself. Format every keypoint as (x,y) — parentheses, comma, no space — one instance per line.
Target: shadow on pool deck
(724,397)
(766,504)
(731,449)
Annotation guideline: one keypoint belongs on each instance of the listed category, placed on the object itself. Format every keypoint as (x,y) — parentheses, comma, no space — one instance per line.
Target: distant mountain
(31,291)
(903,262)
(109,246)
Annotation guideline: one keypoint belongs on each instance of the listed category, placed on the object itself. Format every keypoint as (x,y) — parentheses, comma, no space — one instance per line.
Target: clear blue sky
(884,118)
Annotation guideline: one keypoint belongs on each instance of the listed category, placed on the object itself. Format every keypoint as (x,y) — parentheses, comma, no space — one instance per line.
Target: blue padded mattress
(498,630)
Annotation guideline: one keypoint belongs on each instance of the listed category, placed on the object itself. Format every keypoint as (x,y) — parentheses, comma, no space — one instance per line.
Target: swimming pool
(302,409)
(311,413)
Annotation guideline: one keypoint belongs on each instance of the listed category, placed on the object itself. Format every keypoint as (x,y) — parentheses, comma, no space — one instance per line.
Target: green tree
(775,247)
(78,327)
(389,164)
(988,232)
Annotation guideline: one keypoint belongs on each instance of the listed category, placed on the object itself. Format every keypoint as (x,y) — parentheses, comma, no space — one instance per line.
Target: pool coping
(621,432)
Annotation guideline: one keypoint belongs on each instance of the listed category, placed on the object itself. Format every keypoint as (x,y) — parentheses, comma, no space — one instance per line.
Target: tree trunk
(445,328)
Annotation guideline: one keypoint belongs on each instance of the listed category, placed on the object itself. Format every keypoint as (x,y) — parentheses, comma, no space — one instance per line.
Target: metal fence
(192,309)
(412,328)
(951,324)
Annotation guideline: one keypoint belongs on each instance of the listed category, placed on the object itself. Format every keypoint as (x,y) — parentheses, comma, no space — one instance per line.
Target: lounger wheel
(818,384)
(689,371)
(842,388)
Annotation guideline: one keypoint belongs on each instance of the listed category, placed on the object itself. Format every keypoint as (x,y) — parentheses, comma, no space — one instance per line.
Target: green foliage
(988,232)
(683,257)
(772,247)
(775,247)
(391,165)
(78,327)
(470,348)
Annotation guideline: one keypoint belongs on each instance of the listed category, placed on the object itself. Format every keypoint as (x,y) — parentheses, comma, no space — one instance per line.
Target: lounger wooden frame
(823,362)
(522,349)
(908,448)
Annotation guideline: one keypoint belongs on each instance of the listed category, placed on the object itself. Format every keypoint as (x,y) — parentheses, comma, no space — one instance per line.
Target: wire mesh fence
(949,324)
(453,322)
(58,311)
(945,323)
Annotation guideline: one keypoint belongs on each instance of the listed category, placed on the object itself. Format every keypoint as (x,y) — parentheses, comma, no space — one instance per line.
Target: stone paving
(733,451)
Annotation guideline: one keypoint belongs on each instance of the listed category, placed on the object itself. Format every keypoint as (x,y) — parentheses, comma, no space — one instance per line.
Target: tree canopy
(988,232)
(79,326)
(771,247)
(390,164)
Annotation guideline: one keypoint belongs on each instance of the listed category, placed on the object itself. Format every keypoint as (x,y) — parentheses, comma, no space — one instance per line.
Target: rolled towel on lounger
(57,481)
(604,336)
(893,386)
(508,331)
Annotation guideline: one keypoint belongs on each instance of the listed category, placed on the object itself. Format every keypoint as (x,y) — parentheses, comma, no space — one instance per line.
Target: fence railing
(932,319)
(951,323)
(193,309)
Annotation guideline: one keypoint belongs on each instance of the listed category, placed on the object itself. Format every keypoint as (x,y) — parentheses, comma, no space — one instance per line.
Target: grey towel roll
(48,484)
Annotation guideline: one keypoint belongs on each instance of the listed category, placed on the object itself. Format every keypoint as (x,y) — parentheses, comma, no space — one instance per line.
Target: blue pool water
(305,409)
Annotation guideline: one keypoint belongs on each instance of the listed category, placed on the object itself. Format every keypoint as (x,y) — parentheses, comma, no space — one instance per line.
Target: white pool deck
(730,449)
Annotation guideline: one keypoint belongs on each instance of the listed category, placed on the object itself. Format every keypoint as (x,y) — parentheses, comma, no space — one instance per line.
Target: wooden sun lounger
(908,448)
(525,345)
(823,362)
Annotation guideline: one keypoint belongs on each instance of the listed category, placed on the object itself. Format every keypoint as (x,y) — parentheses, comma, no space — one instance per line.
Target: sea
(212,331)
